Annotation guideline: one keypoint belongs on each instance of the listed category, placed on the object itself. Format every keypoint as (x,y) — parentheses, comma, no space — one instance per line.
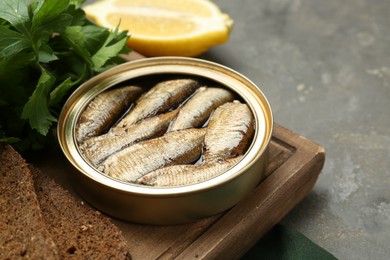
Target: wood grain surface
(293,168)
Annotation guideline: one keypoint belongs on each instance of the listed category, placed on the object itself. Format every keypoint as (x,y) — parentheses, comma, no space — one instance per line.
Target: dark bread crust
(23,229)
(78,231)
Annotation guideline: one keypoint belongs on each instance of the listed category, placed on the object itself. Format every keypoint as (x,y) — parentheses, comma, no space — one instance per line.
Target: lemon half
(165,27)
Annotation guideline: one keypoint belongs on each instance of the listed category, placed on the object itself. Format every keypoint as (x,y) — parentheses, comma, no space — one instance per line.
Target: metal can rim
(166,65)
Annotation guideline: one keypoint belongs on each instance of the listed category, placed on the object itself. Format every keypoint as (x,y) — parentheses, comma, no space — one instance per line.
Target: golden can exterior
(157,205)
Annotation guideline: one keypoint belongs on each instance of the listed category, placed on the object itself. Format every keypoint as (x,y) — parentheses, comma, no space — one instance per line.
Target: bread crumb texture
(41,220)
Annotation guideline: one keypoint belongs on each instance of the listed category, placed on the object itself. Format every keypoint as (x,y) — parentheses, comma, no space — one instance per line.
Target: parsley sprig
(47,49)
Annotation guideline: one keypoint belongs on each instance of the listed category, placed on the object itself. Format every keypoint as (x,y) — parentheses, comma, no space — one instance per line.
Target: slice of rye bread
(22,226)
(79,231)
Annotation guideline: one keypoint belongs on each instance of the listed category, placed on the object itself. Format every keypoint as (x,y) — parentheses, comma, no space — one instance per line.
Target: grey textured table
(325,68)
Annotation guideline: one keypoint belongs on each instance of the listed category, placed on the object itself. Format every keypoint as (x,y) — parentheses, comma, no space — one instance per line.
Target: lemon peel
(165,27)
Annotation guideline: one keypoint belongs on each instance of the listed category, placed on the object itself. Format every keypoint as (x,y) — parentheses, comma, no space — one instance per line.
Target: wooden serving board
(294,165)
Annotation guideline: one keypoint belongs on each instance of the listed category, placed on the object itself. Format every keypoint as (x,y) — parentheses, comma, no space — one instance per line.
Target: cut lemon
(165,27)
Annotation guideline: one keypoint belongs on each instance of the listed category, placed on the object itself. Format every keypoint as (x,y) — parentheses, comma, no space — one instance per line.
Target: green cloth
(283,243)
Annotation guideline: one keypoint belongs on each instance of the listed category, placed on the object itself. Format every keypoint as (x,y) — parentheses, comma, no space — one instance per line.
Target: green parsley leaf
(85,40)
(47,48)
(48,11)
(46,54)
(36,109)
(9,140)
(12,43)
(16,12)
(111,47)
(60,92)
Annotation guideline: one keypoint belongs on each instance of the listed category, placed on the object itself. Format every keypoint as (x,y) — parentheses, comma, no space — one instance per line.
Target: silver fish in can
(198,108)
(162,97)
(178,147)
(181,175)
(98,148)
(104,110)
(229,132)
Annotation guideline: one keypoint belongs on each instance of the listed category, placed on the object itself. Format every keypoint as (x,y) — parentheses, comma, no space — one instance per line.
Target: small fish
(102,112)
(229,132)
(199,107)
(98,148)
(179,147)
(162,97)
(181,175)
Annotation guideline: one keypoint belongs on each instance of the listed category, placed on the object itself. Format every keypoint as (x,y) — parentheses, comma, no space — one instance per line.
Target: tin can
(173,205)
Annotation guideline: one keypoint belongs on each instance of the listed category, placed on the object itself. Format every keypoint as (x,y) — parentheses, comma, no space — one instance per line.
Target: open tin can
(167,205)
